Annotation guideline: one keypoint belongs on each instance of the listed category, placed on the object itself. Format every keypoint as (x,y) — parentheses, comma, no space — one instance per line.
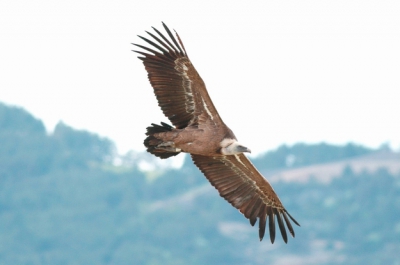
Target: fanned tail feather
(153,144)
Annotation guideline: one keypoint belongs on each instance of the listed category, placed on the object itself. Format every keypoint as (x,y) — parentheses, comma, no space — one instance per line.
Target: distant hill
(302,154)
(68,198)
(27,149)
(324,172)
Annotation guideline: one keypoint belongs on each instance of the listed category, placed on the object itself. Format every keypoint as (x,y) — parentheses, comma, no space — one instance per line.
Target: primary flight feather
(199,130)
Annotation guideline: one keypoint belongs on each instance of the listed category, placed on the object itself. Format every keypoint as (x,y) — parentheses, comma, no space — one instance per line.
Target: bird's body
(200,131)
(207,139)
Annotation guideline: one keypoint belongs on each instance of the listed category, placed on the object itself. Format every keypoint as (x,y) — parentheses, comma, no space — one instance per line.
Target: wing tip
(291,217)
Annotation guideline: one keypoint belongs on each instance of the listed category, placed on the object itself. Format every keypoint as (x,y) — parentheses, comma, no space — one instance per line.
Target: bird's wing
(240,183)
(180,91)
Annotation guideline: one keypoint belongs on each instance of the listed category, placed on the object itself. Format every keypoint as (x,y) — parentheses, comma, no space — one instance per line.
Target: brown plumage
(200,131)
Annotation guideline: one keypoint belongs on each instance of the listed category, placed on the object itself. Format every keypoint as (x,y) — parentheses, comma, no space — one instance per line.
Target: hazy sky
(278,71)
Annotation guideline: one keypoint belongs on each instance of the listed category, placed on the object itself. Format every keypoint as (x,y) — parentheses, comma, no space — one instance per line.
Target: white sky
(279,71)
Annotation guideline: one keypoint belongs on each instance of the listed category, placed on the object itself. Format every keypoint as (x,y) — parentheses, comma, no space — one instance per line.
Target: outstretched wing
(240,183)
(180,91)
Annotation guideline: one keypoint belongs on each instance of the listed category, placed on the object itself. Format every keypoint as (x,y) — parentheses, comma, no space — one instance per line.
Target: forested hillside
(65,200)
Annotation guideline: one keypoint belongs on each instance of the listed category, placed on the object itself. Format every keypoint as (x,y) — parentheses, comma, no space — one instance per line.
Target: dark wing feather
(180,91)
(239,182)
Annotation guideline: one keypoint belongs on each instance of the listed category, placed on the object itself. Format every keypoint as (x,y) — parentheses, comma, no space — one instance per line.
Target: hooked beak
(243,149)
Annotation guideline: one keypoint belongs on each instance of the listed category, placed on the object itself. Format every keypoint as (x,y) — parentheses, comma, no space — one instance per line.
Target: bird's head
(233,147)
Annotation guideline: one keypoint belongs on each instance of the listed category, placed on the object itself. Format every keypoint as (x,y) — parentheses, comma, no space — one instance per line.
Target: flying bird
(199,130)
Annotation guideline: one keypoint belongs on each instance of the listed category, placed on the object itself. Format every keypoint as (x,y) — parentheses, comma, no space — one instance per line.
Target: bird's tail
(156,146)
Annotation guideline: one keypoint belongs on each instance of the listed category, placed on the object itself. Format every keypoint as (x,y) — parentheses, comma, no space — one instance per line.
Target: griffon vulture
(199,130)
